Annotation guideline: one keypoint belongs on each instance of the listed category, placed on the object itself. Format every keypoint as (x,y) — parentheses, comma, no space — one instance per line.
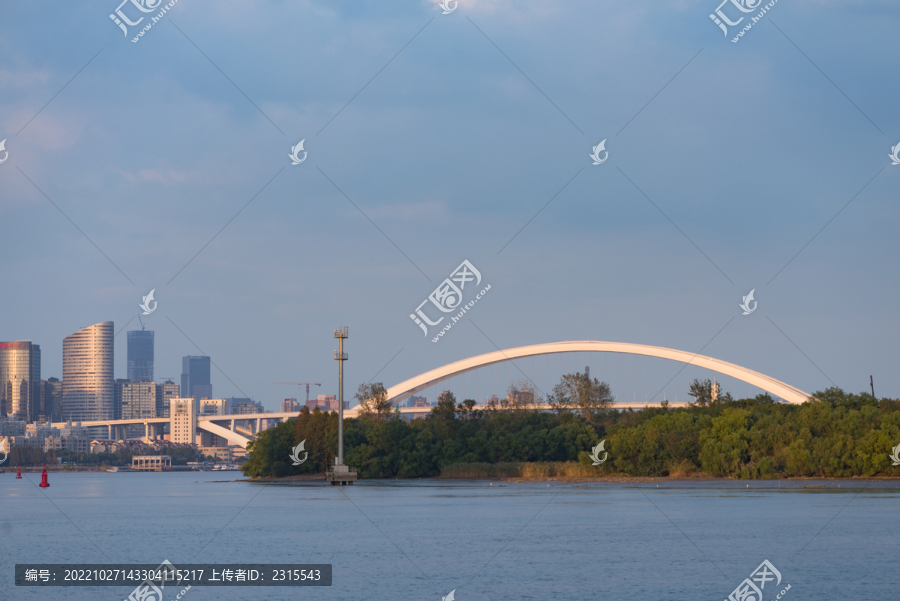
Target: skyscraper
(140,355)
(52,398)
(165,392)
(195,377)
(88,384)
(138,399)
(35,382)
(20,379)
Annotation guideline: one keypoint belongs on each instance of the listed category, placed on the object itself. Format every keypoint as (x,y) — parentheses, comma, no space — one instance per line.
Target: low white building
(182,421)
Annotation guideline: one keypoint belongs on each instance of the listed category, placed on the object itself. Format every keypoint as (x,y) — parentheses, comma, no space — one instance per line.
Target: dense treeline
(27,457)
(836,435)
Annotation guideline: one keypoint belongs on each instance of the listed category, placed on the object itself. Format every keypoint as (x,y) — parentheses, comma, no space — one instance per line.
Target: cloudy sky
(432,139)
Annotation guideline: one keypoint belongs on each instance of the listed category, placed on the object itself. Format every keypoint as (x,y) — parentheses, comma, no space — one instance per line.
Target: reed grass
(536,470)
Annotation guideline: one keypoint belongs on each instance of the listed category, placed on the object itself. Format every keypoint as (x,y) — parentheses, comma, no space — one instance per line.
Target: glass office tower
(195,381)
(20,379)
(140,355)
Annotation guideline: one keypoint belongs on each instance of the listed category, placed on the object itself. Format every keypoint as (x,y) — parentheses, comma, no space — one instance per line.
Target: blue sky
(725,160)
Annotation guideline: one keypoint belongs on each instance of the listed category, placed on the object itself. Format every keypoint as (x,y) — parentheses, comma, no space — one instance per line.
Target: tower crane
(308,384)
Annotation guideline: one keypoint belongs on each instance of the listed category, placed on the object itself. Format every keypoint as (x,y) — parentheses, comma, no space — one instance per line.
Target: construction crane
(308,384)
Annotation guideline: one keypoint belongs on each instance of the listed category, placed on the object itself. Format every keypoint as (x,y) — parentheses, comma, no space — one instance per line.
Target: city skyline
(657,245)
(139,369)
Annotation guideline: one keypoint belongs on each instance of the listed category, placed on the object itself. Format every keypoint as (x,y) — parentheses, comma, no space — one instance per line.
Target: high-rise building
(117,397)
(211,407)
(35,381)
(240,406)
(88,381)
(417,401)
(20,379)
(521,397)
(183,421)
(51,399)
(195,382)
(326,402)
(140,355)
(165,392)
(138,399)
(290,406)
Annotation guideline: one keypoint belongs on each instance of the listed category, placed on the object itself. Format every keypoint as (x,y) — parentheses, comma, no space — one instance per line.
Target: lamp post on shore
(339,355)
(340,473)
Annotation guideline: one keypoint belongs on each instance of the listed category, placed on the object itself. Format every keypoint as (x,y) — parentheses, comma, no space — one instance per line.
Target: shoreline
(615,479)
(609,479)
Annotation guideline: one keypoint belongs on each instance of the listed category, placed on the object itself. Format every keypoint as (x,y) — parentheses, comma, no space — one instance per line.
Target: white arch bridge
(419,383)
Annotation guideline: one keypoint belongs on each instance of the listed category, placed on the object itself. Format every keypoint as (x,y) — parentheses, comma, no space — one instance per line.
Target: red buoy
(19,473)
(44,482)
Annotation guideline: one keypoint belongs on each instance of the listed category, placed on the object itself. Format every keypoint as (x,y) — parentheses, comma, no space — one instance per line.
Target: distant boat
(225,468)
(121,469)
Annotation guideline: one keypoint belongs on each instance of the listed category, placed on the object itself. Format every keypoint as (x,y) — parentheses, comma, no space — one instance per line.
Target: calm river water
(420,539)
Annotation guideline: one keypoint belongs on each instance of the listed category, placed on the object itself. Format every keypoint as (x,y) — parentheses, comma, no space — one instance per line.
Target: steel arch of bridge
(775,387)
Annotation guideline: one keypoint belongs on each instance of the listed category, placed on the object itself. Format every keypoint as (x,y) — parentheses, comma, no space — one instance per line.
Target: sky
(433,139)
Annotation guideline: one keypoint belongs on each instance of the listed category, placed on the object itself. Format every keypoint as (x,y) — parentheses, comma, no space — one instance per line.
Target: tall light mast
(339,355)
(340,473)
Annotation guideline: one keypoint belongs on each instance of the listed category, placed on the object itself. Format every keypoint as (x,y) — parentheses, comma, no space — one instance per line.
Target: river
(420,539)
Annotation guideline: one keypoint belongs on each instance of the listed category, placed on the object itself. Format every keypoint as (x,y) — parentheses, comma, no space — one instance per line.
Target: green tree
(725,447)
(445,409)
(577,392)
(707,392)
(269,454)
(317,429)
(373,402)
